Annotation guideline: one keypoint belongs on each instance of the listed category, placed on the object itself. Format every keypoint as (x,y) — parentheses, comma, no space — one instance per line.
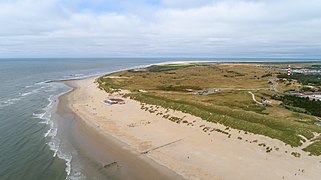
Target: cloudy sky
(161,28)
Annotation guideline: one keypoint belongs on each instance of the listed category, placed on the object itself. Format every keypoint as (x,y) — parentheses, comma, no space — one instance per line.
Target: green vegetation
(296,154)
(190,75)
(171,87)
(267,75)
(314,148)
(108,85)
(316,66)
(160,68)
(179,88)
(305,79)
(306,89)
(295,109)
(301,104)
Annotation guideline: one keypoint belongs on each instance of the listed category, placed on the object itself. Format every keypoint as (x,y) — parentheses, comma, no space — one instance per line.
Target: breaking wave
(54,142)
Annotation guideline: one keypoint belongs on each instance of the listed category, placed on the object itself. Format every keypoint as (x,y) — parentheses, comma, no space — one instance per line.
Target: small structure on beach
(114,101)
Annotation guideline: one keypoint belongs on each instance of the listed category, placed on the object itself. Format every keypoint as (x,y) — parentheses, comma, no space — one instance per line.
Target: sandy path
(253,98)
(194,149)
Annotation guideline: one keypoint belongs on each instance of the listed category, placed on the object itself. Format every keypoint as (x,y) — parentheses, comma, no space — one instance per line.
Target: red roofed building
(118,101)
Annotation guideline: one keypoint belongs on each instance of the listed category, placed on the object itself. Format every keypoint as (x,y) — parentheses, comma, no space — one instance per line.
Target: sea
(32,144)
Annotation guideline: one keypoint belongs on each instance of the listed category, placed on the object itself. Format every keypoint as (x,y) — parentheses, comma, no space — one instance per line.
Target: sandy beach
(145,145)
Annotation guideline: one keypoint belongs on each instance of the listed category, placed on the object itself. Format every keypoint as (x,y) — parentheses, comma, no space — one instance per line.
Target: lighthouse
(289,70)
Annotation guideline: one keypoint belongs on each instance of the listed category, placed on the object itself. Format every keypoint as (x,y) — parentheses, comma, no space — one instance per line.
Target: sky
(161,28)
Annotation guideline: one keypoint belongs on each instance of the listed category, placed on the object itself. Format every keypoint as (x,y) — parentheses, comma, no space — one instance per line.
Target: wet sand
(116,159)
(148,146)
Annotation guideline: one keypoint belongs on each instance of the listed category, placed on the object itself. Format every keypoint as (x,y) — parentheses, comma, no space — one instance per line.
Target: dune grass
(202,76)
(285,130)
(314,148)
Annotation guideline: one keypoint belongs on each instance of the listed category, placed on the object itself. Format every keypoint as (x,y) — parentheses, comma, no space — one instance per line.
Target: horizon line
(155,57)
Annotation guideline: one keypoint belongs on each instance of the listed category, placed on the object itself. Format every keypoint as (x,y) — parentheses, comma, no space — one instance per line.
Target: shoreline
(116,159)
(186,150)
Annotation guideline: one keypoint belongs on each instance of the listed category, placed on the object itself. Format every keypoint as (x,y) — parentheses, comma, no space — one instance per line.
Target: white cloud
(186,3)
(218,28)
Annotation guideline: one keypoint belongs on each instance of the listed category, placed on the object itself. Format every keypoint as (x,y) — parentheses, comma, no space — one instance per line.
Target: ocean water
(31,144)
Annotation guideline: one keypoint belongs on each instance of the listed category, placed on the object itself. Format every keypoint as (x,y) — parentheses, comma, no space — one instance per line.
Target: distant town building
(309,94)
(289,70)
(296,93)
(307,71)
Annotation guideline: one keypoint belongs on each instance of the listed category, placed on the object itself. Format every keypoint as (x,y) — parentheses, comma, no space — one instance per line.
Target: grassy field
(191,75)
(171,86)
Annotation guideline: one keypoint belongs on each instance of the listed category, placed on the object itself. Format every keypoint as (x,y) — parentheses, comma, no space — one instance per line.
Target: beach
(141,144)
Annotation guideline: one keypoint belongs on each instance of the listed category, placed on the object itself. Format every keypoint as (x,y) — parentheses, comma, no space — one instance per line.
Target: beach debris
(132,125)
(110,164)
(158,147)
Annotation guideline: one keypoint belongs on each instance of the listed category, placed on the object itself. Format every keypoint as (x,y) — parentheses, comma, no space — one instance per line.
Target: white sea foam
(37,90)
(75,75)
(79,74)
(39,116)
(76,176)
(53,130)
(41,83)
(46,115)
(54,142)
(54,145)
(21,95)
(47,133)
(68,159)
(26,94)
(9,102)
